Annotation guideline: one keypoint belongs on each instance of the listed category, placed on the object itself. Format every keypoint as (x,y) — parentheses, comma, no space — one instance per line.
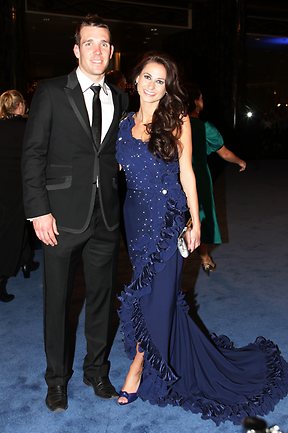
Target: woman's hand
(192,238)
(242,165)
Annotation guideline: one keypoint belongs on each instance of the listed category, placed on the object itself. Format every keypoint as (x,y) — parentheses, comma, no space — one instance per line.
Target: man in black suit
(70,194)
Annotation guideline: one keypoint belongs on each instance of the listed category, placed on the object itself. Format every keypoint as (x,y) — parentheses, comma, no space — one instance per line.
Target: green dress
(206,139)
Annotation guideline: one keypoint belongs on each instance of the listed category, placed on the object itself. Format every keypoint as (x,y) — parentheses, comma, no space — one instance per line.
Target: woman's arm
(188,182)
(229,156)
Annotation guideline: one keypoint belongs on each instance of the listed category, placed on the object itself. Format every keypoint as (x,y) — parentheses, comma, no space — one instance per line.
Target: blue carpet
(244,298)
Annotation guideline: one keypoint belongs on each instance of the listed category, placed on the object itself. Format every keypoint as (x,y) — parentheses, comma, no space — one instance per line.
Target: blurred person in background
(206,140)
(117,78)
(15,250)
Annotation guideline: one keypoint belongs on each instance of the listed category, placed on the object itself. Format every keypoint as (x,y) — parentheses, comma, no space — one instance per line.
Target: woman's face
(21,108)
(151,82)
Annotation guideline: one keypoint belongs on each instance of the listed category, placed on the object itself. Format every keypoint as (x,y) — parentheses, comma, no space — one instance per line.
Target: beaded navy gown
(182,366)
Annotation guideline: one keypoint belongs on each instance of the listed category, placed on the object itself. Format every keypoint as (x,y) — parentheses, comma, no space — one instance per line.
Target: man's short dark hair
(90,20)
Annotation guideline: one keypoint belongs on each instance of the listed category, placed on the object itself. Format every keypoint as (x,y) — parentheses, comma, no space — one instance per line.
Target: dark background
(237,50)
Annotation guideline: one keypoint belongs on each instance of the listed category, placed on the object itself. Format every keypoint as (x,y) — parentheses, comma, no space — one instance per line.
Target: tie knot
(96,89)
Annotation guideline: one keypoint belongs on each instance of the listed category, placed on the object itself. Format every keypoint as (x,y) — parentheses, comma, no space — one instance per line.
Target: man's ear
(111,51)
(76,51)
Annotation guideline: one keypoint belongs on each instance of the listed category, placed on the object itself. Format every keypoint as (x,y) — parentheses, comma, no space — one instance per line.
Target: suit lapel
(76,100)
(115,120)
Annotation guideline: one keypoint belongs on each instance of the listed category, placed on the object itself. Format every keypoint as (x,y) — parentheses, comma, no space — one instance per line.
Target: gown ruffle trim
(132,320)
(275,388)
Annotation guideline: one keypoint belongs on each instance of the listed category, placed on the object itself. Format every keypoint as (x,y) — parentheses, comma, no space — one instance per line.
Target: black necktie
(97,116)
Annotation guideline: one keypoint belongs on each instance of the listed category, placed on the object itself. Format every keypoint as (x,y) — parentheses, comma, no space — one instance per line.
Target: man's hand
(45,228)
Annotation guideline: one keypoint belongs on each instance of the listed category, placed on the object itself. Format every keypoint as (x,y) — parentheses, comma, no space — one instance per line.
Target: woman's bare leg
(133,377)
(207,262)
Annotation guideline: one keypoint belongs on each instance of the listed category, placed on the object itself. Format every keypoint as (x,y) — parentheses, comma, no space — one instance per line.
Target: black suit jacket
(60,163)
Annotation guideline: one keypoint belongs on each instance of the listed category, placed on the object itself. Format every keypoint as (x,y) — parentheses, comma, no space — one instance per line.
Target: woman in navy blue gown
(173,361)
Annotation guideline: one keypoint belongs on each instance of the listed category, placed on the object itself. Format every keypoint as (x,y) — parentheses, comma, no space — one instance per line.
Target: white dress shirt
(106,99)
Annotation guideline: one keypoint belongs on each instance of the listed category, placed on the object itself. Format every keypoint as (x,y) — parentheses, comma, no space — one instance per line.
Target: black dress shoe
(4,296)
(56,399)
(29,267)
(102,386)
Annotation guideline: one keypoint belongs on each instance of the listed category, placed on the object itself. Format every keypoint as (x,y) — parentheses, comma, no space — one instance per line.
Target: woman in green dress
(206,140)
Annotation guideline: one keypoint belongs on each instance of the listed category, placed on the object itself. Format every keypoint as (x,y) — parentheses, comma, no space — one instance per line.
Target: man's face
(94,52)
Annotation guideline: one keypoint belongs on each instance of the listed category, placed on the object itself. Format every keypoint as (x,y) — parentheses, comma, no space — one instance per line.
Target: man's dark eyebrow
(91,40)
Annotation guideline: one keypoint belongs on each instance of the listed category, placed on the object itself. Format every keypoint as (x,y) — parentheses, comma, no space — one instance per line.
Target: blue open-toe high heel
(130,397)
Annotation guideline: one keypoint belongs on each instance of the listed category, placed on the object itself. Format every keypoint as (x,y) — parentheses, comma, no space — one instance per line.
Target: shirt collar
(86,83)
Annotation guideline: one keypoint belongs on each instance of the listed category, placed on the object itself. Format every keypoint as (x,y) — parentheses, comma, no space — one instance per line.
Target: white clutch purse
(181,243)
